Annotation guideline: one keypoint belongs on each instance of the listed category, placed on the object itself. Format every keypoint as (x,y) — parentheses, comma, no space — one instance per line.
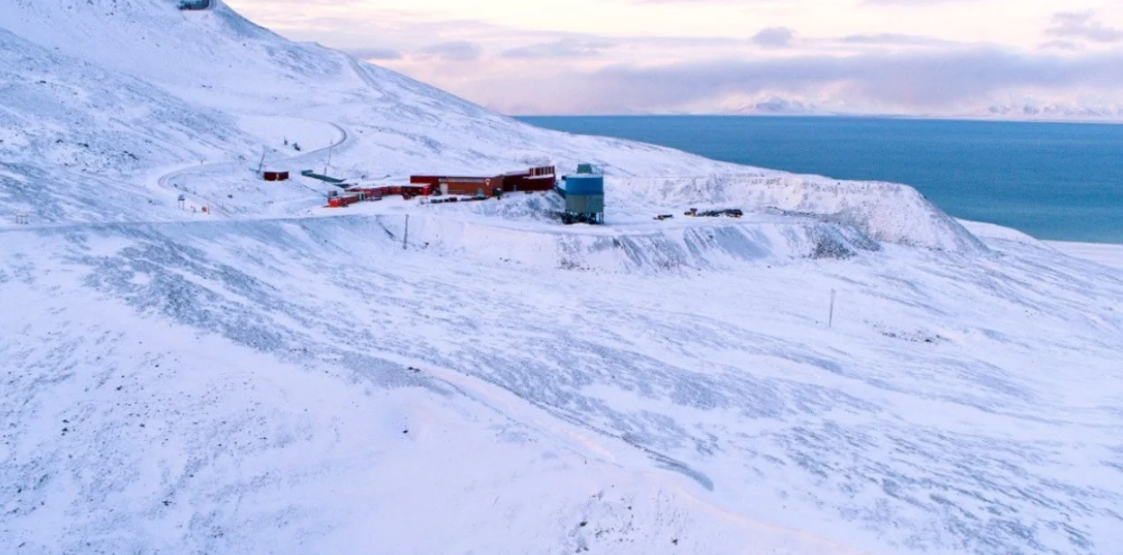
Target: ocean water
(1051,180)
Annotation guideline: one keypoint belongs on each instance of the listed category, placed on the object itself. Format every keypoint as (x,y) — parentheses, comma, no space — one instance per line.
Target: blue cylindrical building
(584,185)
(584,198)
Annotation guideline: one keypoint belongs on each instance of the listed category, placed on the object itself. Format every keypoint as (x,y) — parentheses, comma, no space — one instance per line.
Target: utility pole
(328,164)
(830,319)
(405,237)
(261,164)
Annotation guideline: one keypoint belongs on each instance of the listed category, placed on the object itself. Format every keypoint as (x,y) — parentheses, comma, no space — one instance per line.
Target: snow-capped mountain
(846,369)
(1057,111)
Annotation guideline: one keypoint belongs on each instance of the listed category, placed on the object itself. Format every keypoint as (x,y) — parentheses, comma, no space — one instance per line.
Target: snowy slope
(74,135)
(276,377)
(1108,255)
(233,376)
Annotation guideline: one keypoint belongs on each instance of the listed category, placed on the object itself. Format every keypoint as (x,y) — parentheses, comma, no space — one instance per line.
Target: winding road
(172,181)
(175,181)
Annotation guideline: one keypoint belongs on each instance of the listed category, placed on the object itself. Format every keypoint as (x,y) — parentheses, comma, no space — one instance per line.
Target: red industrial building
(534,179)
(454,185)
(275,176)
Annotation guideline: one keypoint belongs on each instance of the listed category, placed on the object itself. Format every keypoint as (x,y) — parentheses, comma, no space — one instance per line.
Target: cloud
(913,2)
(564,48)
(892,39)
(853,62)
(455,51)
(774,37)
(1062,45)
(1083,25)
(375,53)
(917,82)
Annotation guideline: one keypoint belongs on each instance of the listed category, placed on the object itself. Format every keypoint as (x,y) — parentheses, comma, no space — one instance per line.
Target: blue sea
(1054,181)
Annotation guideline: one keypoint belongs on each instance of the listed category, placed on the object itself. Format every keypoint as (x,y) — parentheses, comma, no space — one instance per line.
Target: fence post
(405,237)
(830,319)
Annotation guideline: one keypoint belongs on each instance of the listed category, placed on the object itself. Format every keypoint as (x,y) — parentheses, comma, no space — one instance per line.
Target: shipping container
(340,202)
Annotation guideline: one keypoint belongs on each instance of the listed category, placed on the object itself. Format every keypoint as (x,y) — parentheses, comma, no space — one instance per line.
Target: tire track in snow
(359,72)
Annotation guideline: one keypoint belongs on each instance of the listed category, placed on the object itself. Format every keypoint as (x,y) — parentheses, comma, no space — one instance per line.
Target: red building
(535,179)
(454,185)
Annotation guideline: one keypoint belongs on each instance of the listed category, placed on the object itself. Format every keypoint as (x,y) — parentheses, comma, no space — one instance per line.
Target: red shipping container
(339,202)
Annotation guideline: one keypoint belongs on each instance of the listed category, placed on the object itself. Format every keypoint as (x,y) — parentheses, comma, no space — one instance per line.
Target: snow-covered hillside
(216,72)
(237,387)
(276,377)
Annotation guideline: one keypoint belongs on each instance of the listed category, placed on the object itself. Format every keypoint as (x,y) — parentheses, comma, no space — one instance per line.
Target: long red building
(534,179)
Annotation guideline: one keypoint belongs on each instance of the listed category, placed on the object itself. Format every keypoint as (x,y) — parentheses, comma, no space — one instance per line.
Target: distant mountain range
(1029,110)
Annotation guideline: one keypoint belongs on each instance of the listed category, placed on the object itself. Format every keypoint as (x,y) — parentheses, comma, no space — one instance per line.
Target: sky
(902,57)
